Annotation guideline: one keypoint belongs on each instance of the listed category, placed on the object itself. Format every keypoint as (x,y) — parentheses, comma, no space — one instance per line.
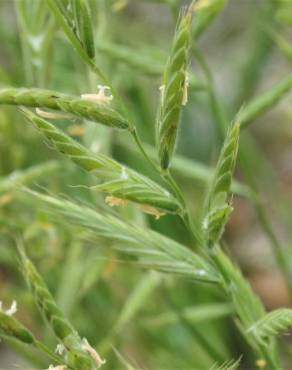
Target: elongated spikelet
(274,323)
(227,365)
(66,103)
(152,249)
(10,327)
(76,355)
(174,90)
(217,207)
(117,179)
(84,26)
(226,163)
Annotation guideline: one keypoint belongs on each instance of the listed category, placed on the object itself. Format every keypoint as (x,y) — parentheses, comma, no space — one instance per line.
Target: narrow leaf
(205,12)
(264,102)
(137,298)
(137,59)
(195,315)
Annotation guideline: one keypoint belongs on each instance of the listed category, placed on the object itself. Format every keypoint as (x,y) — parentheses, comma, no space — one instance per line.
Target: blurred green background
(110,299)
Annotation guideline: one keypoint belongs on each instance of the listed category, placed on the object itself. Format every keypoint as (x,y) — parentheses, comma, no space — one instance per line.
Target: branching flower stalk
(130,240)
(150,249)
(102,114)
(248,310)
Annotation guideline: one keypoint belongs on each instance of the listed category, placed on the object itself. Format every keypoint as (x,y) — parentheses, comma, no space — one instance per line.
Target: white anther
(60,349)
(124,175)
(100,97)
(95,146)
(12,310)
(185,90)
(162,89)
(50,115)
(92,353)
(201,272)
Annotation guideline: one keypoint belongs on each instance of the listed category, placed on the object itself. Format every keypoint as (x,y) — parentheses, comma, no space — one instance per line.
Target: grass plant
(126,255)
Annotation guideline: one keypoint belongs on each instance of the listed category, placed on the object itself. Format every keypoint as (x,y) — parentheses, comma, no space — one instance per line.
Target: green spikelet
(117,179)
(84,26)
(217,207)
(74,105)
(76,349)
(152,249)
(174,90)
(10,327)
(272,324)
(227,365)
(63,6)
